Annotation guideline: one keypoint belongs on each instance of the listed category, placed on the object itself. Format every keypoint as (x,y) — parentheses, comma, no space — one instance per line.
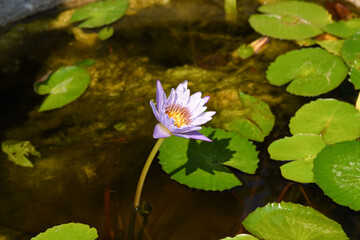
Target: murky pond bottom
(94,148)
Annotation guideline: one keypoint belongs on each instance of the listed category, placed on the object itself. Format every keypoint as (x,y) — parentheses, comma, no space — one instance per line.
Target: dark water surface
(89,170)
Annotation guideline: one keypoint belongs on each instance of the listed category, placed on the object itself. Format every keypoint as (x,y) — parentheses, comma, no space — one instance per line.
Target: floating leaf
(241,237)
(245,51)
(310,71)
(303,148)
(63,86)
(351,51)
(106,33)
(101,13)
(203,165)
(293,20)
(343,29)
(337,172)
(279,221)
(332,46)
(18,151)
(255,119)
(334,120)
(69,231)
(355,78)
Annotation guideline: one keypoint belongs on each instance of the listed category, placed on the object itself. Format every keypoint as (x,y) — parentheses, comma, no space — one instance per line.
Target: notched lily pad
(334,120)
(18,151)
(337,172)
(302,148)
(311,71)
(277,221)
(69,231)
(343,29)
(100,13)
(293,20)
(63,86)
(203,165)
(252,119)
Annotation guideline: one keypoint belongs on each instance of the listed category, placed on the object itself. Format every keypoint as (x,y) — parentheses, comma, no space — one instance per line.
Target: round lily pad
(310,71)
(337,172)
(355,78)
(63,86)
(69,231)
(106,33)
(280,221)
(293,20)
(241,237)
(254,120)
(334,120)
(343,29)
(351,51)
(203,165)
(302,148)
(100,13)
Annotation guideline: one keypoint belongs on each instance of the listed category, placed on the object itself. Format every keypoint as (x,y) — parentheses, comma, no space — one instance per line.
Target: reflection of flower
(180,114)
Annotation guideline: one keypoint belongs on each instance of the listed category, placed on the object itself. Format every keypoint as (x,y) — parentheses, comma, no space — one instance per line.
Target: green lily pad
(343,29)
(292,20)
(337,172)
(355,78)
(101,13)
(245,51)
(279,221)
(241,237)
(332,46)
(334,120)
(203,165)
(63,86)
(106,33)
(351,51)
(69,231)
(18,151)
(254,120)
(302,148)
(311,71)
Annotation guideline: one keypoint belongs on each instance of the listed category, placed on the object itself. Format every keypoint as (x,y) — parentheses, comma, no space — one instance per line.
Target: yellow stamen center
(181,115)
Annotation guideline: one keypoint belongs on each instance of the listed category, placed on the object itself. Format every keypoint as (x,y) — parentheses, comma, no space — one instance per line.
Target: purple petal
(159,92)
(155,111)
(194,135)
(161,132)
(203,118)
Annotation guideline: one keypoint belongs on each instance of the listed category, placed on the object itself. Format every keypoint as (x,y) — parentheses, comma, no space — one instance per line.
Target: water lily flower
(180,114)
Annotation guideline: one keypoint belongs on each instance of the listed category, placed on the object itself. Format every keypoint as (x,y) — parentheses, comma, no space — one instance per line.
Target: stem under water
(145,171)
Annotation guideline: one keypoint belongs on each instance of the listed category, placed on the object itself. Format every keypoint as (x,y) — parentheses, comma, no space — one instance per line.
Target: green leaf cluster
(18,151)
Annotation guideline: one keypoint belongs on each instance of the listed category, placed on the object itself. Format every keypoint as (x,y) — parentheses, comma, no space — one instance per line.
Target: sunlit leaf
(302,148)
(337,172)
(280,221)
(241,237)
(293,20)
(63,86)
(203,165)
(355,78)
(311,71)
(100,13)
(351,51)
(69,231)
(334,120)
(332,46)
(253,118)
(106,33)
(343,29)
(18,151)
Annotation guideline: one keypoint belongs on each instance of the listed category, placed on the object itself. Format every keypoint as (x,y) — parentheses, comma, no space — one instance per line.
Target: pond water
(89,169)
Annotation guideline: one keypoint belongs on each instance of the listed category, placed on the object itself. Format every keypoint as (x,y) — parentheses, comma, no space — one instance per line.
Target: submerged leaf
(203,165)
(293,20)
(106,33)
(63,86)
(100,13)
(18,151)
(311,71)
(337,172)
(69,231)
(255,121)
(245,51)
(302,148)
(279,221)
(334,120)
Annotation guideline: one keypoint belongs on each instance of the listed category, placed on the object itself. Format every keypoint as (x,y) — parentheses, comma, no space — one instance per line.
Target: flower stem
(145,171)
